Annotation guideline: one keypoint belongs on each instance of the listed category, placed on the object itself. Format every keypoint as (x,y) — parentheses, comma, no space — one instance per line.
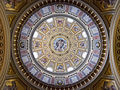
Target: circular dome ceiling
(59,45)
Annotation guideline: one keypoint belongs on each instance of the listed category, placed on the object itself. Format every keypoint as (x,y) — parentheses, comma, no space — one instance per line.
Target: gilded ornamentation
(105,84)
(11,18)
(106,87)
(4,45)
(13,4)
(106,4)
(34,41)
(109,18)
(117,45)
(11,87)
(1,45)
(65,45)
(11,71)
(14,84)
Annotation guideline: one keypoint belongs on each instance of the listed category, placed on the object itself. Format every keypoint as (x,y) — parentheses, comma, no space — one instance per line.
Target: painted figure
(59,45)
(107,2)
(12,3)
(13,87)
(106,86)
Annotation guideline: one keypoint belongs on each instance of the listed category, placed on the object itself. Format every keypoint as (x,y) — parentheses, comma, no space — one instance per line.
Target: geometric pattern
(60,44)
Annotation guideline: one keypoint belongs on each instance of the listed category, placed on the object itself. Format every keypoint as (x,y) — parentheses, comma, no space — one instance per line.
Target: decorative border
(4,45)
(91,63)
(115,45)
(86,80)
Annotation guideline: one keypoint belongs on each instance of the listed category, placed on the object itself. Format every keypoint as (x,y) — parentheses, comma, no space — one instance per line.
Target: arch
(113,47)
(5,45)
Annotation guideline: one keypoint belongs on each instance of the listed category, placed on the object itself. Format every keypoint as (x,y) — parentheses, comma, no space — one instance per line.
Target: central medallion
(60,44)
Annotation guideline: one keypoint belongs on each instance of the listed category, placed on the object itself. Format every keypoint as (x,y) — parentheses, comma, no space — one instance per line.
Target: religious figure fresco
(13,4)
(106,86)
(12,87)
(107,3)
(60,44)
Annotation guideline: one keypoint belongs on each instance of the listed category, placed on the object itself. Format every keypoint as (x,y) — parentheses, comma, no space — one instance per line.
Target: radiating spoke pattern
(60,44)
(62,38)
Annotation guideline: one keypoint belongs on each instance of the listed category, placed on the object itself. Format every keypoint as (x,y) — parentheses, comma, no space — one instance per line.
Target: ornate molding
(4,44)
(115,44)
(23,18)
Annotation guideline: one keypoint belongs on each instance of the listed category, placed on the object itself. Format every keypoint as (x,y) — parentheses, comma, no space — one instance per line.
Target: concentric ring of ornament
(60,44)
(60,32)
